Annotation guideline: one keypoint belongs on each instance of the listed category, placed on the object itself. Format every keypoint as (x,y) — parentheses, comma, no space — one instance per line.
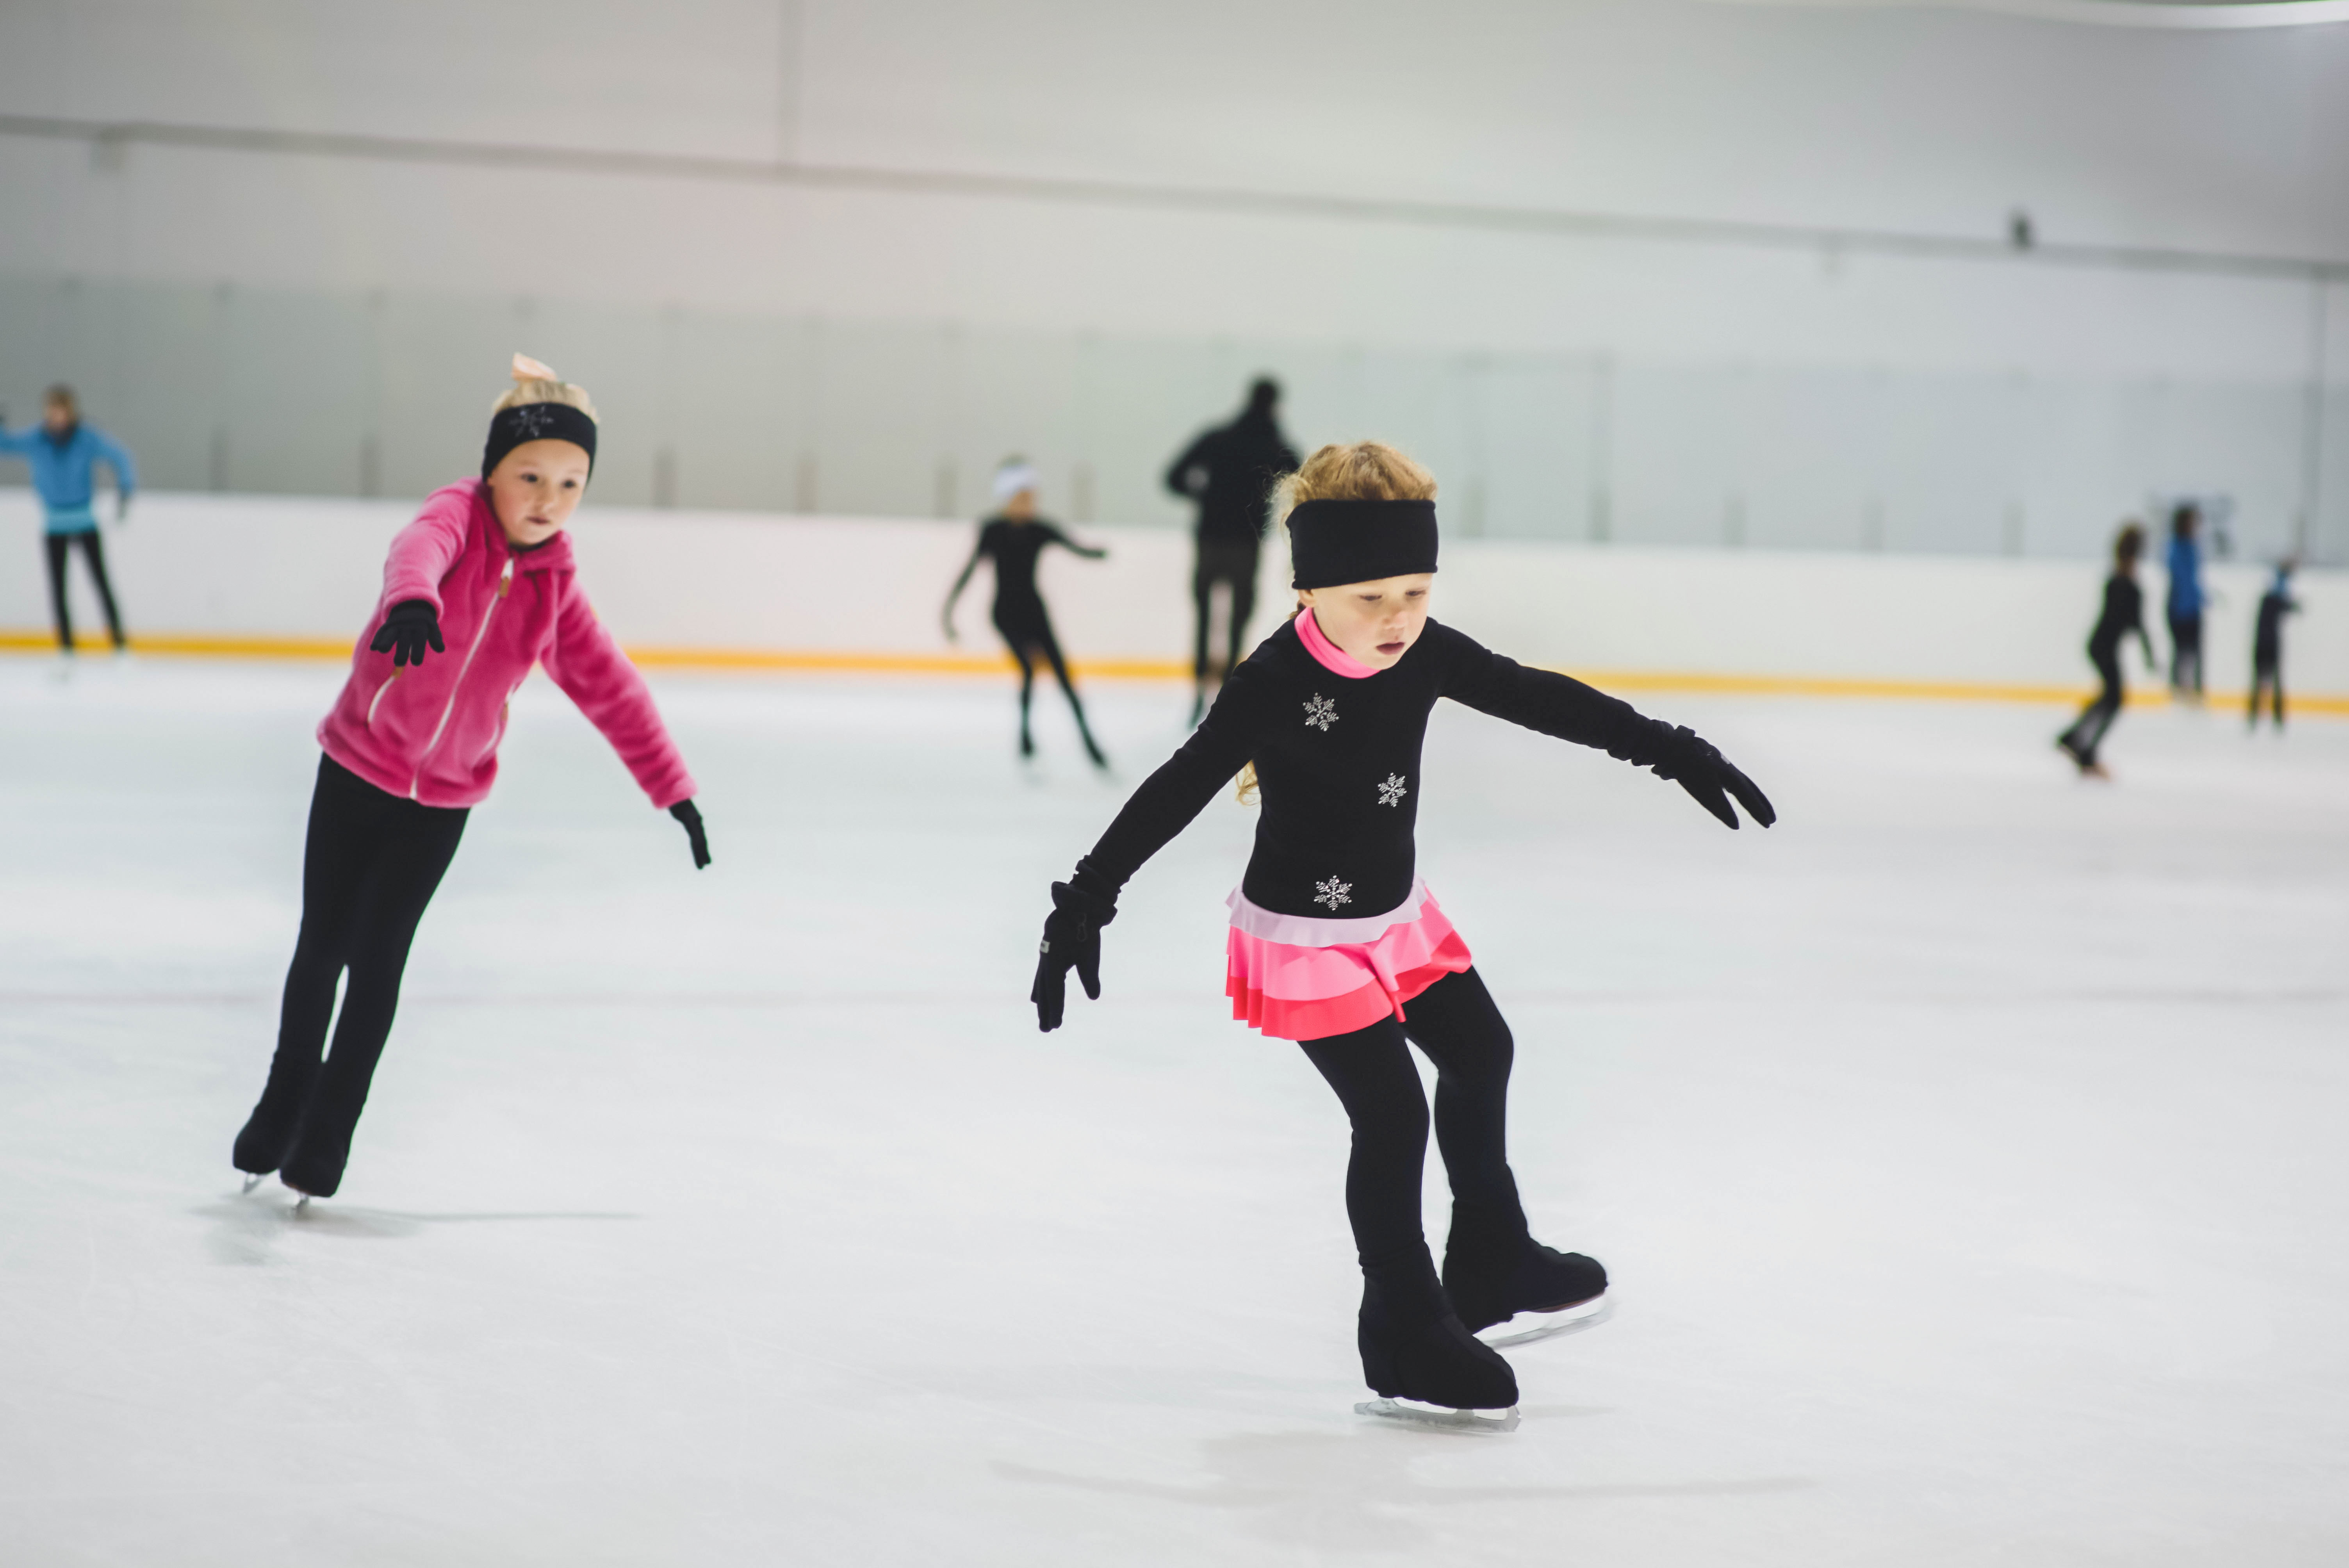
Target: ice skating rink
(1968,1150)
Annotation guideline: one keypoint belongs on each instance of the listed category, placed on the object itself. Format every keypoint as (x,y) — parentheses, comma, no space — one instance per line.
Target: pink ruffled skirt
(1297,978)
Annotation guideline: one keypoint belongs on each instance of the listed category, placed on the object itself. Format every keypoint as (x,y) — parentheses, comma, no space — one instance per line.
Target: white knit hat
(1012,476)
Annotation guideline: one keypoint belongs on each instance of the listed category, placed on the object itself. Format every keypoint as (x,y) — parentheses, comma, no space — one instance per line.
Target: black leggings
(2267,679)
(2087,731)
(2185,654)
(1234,565)
(1027,631)
(1463,1032)
(372,863)
(59,545)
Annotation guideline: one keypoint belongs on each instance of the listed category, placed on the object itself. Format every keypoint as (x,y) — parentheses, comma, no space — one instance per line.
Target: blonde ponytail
(536,383)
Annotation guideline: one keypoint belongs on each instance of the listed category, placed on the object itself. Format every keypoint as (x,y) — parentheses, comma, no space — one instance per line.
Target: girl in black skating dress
(1336,944)
(1013,537)
(2123,616)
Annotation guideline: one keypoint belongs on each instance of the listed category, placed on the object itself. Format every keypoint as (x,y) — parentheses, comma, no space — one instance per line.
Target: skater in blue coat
(64,454)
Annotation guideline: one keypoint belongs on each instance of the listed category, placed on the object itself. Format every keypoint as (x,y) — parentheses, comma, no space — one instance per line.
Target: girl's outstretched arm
(1561,706)
(592,671)
(946,616)
(1163,805)
(1052,535)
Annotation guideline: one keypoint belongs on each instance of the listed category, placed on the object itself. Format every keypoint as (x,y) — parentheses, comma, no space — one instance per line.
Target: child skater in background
(1336,944)
(64,452)
(478,589)
(2267,642)
(1013,537)
(2123,612)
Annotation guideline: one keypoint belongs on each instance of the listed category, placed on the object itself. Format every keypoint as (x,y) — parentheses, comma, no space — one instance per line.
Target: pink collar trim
(1327,654)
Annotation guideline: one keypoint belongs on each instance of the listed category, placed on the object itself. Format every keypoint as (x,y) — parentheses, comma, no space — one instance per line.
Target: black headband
(1334,542)
(510,428)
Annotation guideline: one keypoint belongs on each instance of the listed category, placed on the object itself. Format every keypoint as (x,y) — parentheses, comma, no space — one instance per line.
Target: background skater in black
(2123,612)
(1012,539)
(2267,642)
(1230,472)
(1336,943)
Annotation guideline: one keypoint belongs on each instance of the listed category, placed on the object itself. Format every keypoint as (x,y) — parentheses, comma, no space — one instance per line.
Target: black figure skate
(1427,1366)
(1499,1277)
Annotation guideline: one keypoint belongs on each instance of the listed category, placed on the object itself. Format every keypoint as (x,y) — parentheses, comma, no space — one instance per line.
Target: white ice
(1968,1152)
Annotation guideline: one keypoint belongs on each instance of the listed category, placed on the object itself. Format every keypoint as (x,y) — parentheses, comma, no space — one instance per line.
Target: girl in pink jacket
(484,582)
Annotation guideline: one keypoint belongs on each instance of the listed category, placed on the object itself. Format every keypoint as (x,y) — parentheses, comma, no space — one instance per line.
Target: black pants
(2267,676)
(1456,1023)
(372,863)
(2185,654)
(59,545)
(1027,631)
(2087,732)
(1232,562)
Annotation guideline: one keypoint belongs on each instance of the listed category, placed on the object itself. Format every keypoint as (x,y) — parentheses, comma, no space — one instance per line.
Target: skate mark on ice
(245,1230)
(1354,1491)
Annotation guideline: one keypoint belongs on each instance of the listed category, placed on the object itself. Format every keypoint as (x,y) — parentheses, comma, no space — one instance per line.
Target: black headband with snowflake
(1334,542)
(511,428)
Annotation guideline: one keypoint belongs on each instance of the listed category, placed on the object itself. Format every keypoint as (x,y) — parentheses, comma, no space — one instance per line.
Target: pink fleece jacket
(430,732)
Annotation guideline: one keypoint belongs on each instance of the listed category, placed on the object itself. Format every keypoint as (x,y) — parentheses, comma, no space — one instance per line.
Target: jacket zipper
(505,582)
(377,701)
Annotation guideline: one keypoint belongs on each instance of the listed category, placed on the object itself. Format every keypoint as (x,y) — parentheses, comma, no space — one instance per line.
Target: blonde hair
(1359,471)
(536,383)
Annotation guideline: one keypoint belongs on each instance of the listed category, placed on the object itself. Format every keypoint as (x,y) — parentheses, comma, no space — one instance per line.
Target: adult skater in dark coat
(1013,538)
(2123,612)
(2267,642)
(1230,472)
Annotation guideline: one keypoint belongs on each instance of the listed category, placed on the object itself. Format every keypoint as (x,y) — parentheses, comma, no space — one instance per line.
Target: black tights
(1234,565)
(1456,1023)
(94,552)
(1029,637)
(2267,680)
(372,863)
(2087,731)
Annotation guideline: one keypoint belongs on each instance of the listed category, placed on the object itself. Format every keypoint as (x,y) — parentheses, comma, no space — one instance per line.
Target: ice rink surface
(1968,1152)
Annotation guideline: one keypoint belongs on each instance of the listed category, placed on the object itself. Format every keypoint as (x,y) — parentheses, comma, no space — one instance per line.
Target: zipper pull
(506,579)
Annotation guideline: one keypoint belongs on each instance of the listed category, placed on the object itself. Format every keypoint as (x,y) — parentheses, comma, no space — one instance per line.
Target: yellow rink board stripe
(226,645)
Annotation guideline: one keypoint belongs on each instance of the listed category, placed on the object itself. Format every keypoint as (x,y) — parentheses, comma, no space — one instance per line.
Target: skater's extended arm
(588,666)
(2133,610)
(1563,706)
(1162,807)
(946,616)
(408,613)
(1168,801)
(1052,535)
(1187,475)
(116,455)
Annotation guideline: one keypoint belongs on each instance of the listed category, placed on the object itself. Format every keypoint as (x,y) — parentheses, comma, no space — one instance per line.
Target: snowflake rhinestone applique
(1320,713)
(534,421)
(1333,893)
(1393,790)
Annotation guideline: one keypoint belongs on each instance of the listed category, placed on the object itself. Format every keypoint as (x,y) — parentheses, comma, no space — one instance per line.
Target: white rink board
(1966,1150)
(266,565)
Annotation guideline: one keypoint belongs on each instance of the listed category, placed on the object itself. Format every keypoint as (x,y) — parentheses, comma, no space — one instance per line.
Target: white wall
(282,567)
(1758,358)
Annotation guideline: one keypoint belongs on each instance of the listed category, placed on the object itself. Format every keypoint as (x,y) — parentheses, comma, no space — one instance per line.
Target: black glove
(1692,761)
(1072,940)
(688,813)
(406,628)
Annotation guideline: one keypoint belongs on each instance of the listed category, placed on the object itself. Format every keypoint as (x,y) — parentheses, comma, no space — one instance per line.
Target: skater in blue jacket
(64,454)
